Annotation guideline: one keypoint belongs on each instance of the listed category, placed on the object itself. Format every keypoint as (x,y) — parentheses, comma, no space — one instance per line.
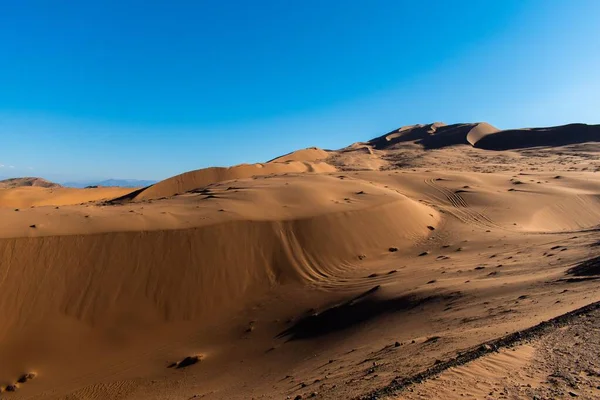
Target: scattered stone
(11,388)
(26,377)
(32,226)
(423,254)
(186,362)
(397,344)
(431,228)
(431,281)
(393,249)
(485,348)
(479,267)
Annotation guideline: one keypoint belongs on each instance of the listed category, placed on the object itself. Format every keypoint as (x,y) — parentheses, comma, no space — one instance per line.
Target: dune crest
(203,177)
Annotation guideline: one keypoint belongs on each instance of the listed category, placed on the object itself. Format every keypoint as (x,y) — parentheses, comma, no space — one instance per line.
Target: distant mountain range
(26,181)
(111,182)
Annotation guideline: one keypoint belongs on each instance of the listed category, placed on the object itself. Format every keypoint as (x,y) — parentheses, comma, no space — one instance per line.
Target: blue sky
(137,89)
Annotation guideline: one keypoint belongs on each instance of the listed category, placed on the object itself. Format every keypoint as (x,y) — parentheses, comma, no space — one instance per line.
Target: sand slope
(310,154)
(204,177)
(22,197)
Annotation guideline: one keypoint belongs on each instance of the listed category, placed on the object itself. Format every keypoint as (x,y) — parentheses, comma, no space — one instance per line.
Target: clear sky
(149,89)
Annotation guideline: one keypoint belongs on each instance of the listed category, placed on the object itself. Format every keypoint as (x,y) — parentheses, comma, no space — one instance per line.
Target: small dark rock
(26,377)
(393,249)
(190,360)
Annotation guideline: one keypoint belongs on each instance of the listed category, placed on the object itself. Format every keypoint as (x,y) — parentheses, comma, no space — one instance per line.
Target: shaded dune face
(554,136)
(485,136)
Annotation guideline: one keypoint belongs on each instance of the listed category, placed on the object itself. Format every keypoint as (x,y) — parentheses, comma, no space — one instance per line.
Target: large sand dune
(485,136)
(320,274)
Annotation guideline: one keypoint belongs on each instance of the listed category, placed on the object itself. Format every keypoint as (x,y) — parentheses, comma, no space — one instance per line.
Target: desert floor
(329,275)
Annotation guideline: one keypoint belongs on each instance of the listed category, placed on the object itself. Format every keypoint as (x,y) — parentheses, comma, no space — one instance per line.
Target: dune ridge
(485,136)
(203,177)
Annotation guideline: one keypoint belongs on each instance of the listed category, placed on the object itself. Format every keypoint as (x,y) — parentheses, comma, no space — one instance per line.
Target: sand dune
(320,274)
(203,177)
(22,197)
(24,182)
(555,136)
(310,154)
(485,136)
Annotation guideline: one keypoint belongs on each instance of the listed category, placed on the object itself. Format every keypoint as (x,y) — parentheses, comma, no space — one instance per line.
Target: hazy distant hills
(111,182)
(27,181)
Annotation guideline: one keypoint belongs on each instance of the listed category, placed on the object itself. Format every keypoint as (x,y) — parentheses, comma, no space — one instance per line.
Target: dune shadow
(355,311)
(126,198)
(589,267)
(551,136)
